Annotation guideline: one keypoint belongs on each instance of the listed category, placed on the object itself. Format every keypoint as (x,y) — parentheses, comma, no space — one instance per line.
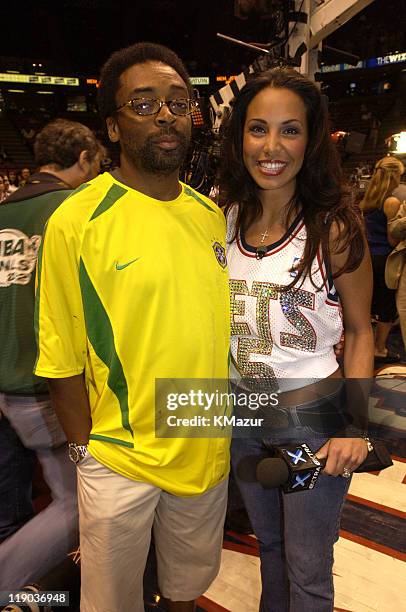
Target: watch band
(76,451)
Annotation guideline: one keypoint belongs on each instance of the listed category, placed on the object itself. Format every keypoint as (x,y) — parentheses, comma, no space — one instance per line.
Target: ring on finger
(346,473)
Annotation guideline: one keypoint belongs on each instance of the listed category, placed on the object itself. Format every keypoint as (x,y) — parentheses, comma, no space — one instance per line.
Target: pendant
(261,251)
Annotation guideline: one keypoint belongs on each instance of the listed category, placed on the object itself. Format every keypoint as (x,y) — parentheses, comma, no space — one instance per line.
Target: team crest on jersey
(293,270)
(220,254)
(18,256)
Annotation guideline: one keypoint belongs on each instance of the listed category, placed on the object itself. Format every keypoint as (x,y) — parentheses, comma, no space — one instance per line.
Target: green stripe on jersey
(77,190)
(100,334)
(194,195)
(110,439)
(114,193)
(37,293)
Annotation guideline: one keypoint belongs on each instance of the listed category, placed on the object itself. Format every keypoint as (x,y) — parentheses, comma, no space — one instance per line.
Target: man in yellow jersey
(132,287)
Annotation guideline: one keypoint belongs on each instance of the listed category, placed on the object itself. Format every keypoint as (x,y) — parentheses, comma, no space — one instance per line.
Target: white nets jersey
(283,336)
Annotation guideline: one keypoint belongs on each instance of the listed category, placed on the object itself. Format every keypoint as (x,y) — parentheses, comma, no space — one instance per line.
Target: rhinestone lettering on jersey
(256,369)
(290,301)
(264,292)
(237,307)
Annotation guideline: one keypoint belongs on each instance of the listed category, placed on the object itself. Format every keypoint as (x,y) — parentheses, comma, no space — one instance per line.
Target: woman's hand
(343,455)
(339,347)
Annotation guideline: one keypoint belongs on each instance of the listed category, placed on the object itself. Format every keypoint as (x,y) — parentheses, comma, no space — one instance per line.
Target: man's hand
(343,453)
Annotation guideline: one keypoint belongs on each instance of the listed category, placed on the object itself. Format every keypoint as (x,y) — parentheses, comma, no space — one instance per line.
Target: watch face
(74,454)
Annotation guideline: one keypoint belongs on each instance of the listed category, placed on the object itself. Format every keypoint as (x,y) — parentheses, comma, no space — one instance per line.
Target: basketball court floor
(369,568)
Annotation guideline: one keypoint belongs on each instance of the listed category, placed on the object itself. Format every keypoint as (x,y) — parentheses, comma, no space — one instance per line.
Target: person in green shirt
(67,154)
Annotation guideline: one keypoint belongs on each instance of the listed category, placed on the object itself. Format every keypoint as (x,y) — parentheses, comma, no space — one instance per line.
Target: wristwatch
(77,451)
(370,446)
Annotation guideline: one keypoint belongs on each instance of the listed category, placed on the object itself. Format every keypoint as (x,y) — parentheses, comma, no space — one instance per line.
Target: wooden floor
(369,568)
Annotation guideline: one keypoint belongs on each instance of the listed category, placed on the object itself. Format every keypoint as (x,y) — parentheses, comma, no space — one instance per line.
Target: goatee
(154,159)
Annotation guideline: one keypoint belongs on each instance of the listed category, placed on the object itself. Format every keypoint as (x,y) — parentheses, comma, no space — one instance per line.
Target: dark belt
(281,418)
(322,416)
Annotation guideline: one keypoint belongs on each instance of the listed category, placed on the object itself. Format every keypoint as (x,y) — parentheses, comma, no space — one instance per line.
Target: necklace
(261,249)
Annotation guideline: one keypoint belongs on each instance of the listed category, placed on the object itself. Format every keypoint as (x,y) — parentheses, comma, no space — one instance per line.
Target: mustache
(168,131)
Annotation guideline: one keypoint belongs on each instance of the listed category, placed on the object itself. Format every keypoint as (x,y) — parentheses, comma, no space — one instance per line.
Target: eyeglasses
(152,106)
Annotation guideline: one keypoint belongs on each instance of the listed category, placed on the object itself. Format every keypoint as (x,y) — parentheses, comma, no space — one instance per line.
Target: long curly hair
(386,177)
(320,192)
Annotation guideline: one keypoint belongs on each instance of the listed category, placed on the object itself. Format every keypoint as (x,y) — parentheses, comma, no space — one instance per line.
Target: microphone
(294,467)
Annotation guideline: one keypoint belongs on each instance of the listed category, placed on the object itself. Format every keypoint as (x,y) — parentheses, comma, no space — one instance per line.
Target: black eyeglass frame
(191,102)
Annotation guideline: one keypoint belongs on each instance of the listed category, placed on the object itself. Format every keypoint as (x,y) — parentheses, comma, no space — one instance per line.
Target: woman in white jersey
(299,270)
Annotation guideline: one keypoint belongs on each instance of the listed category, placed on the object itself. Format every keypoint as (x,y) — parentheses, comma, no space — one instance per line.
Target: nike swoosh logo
(122,266)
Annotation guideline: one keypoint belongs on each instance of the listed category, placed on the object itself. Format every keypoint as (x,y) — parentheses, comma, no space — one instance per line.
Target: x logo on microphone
(297,456)
(300,481)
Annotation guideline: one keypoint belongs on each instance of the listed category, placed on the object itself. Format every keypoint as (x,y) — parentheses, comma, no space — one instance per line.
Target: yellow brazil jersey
(130,290)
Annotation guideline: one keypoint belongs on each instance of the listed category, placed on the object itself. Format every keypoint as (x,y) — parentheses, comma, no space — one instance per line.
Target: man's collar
(38,184)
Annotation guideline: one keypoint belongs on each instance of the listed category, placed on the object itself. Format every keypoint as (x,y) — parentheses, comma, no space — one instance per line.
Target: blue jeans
(44,541)
(296,531)
(16,472)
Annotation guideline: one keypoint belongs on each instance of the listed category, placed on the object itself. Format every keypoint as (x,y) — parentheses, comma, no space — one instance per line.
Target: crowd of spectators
(12,179)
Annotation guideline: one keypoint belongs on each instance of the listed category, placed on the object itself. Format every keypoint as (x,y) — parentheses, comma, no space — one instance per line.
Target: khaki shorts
(116,517)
